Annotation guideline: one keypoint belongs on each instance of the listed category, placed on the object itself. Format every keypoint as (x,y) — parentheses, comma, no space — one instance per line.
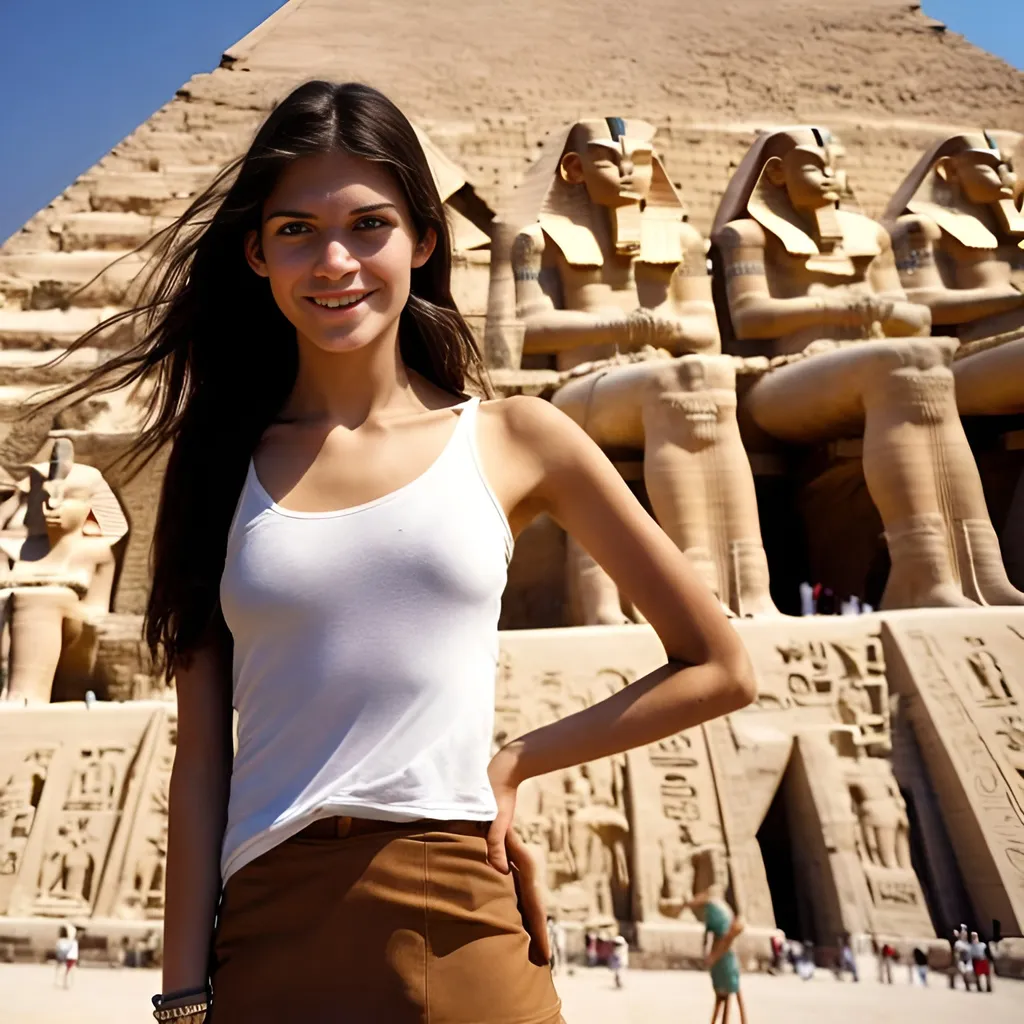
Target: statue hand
(908,318)
(844,310)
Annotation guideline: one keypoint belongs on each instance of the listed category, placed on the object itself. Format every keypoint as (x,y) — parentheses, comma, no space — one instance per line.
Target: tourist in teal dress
(722,927)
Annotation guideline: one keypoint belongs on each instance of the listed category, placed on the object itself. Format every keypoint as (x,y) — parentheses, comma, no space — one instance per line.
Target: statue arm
(101,586)
(549,329)
(917,241)
(898,315)
(757,314)
(689,304)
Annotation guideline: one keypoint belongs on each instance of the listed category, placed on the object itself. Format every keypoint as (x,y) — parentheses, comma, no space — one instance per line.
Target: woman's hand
(504,782)
(506,852)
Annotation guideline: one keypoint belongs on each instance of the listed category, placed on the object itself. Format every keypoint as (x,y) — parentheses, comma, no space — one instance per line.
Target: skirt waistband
(343,826)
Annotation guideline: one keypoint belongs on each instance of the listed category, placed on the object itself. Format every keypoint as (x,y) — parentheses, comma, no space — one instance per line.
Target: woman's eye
(370,223)
(294,227)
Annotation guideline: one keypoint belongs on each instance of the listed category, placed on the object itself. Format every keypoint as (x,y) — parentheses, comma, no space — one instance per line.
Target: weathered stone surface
(83,795)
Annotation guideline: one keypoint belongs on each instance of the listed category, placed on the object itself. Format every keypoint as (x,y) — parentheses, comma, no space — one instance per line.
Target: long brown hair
(221,356)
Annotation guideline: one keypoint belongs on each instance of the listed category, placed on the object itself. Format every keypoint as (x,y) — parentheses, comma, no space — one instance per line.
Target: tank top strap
(467,429)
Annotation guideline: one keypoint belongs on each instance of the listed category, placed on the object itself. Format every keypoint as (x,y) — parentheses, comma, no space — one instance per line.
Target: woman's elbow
(737,683)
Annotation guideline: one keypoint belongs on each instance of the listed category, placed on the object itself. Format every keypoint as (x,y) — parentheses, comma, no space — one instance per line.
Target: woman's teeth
(336,303)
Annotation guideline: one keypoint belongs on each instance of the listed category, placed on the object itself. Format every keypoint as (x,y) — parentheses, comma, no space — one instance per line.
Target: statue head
(955,177)
(791,167)
(601,167)
(615,168)
(76,498)
(790,182)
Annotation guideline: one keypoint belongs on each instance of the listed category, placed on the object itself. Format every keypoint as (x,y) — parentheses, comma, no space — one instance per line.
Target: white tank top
(365,648)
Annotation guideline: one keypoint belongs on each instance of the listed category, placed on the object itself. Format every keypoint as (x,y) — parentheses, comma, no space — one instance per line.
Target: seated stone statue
(58,529)
(818,285)
(958,236)
(612,283)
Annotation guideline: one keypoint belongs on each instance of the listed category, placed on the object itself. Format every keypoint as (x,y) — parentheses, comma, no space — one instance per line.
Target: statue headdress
(750,194)
(450,180)
(110,520)
(925,191)
(565,211)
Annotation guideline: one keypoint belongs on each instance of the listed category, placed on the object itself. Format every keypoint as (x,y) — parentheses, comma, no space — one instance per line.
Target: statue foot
(981,564)
(942,596)
(921,574)
(749,569)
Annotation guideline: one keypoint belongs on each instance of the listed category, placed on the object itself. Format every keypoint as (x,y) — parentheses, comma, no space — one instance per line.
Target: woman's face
(338,246)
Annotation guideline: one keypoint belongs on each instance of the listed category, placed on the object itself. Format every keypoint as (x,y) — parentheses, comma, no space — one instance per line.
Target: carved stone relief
(963,683)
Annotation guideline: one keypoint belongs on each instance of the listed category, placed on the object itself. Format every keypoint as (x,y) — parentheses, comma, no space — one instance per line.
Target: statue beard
(826,223)
(625,222)
(1009,218)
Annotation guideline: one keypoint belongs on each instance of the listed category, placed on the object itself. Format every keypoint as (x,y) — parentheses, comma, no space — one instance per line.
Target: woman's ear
(571,169)
(254,254)
(424,248)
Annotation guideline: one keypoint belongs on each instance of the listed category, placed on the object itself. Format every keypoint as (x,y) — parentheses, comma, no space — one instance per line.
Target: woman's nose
(336,260)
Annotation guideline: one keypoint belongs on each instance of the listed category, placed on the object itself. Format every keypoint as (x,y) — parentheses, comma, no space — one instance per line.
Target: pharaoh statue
(611,284)
(57,530)
(815,288)
(959,241)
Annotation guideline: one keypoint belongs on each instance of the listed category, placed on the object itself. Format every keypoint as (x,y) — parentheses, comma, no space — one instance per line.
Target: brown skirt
(398,926)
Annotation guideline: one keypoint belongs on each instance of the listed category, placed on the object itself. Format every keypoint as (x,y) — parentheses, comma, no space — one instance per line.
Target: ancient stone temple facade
(813,375)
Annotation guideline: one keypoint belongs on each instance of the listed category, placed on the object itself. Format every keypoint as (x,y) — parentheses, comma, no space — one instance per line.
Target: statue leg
(37,628)
(692,446)
(912,432)
(594,594)
(918,465)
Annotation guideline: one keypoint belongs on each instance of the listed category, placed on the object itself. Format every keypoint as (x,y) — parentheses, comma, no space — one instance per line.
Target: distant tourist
(590,948)
(920,961)
(618,959)
(885,955)
(962,966)
(778,946)
(981,965)
(556,941)
(67,953)
(331,547)
(721,929)
(846,960)
(806,965)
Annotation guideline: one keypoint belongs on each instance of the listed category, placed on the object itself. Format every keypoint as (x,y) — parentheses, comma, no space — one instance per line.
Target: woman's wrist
(509,762)
(183,1006)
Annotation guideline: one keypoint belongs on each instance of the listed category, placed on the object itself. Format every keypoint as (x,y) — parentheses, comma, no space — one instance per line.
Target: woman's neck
(351,387)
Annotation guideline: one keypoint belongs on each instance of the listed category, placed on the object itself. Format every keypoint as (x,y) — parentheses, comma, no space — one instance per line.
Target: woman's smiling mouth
(338,301)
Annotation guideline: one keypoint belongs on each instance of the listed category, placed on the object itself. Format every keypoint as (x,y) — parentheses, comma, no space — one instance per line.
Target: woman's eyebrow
(302,215)
(373,207)
(297,214)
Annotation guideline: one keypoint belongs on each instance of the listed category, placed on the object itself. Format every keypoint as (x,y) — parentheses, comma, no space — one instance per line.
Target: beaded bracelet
(192,1011)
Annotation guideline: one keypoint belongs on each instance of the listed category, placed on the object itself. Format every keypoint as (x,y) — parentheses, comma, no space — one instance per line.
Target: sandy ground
(28,996)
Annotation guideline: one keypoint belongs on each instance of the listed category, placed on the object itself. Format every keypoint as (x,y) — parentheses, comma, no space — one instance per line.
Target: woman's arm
(559,470)
(197,817)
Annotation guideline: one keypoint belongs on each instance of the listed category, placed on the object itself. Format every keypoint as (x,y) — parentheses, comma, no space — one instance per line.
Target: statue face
(64,511)
(807,174)
(983,177)
(615,173)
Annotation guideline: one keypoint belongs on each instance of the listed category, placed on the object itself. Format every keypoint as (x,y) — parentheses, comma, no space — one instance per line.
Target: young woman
(334,531)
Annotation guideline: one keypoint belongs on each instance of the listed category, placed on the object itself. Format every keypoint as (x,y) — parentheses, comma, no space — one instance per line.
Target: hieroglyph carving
(140,893)
(964,691)
(20,795)
(575,821)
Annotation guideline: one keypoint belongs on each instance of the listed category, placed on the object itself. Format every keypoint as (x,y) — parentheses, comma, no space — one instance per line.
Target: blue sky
(76,76)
